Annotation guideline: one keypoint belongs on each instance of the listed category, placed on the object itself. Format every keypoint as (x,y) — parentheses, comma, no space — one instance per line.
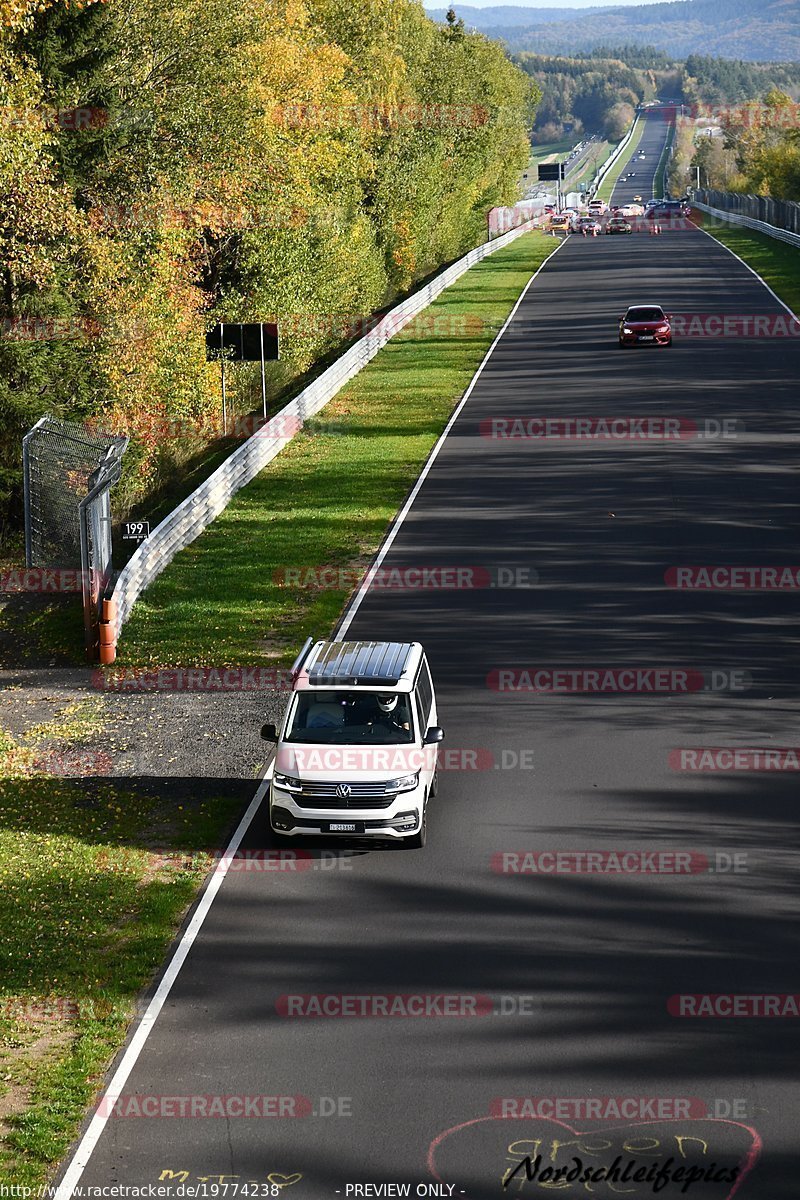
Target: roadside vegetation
(587,94)
(163,167)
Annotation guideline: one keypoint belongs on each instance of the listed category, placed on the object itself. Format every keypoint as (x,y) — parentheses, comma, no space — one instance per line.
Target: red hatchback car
(645,324)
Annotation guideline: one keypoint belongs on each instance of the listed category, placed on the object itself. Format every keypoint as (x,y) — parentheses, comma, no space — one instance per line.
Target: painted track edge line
(347,617)
(92,1134)
(752,270)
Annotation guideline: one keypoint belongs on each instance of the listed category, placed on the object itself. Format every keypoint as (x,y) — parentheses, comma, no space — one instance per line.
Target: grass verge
(659,179)
(327,500)
(606,189)
(548,150)
(95,875)
(776,262)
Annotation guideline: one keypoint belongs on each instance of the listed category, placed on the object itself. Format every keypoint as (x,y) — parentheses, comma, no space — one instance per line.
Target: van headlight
(287,783)
(403,783)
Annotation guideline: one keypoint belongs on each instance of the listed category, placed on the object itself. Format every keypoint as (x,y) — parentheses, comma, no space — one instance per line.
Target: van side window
(424,695)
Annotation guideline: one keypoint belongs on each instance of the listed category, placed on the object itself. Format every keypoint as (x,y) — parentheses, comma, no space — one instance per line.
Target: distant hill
(754,30)
(511,16)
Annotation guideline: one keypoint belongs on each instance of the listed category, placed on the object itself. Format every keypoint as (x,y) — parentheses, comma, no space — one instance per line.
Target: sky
(539,4)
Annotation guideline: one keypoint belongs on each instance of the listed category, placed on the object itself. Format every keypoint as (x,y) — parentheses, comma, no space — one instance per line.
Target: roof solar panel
(359,662)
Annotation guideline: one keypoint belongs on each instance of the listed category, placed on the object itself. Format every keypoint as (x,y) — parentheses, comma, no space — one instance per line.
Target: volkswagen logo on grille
(343,790)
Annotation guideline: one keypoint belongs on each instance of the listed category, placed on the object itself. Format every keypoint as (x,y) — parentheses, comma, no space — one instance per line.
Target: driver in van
(392,716)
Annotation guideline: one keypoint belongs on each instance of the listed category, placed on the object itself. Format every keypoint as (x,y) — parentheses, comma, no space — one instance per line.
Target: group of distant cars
(628,218)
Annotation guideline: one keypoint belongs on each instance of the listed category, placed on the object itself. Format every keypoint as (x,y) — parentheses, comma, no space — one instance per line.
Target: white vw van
(356,753)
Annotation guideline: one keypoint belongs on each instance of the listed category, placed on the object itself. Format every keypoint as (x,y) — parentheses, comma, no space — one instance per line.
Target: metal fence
(198,510)
(68,470)
(777,218)
(59,459)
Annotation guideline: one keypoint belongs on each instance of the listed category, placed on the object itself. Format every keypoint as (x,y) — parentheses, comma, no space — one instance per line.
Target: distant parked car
(560,224)
(668,212)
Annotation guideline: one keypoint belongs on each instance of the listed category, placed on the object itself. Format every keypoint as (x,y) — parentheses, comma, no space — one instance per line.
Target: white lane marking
(97,1124)
(761,280)
(91,1137)
(357,600)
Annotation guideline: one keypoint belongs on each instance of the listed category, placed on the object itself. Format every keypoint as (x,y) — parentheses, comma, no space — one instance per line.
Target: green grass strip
(659,179)
(328,498)
(606,188)
(776,262)
(88,913)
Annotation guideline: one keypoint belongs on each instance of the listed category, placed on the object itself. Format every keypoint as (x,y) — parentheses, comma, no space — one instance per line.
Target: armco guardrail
(197,511)
(735,216)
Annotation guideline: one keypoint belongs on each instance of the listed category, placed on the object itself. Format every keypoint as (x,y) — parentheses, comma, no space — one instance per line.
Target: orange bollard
(108,654)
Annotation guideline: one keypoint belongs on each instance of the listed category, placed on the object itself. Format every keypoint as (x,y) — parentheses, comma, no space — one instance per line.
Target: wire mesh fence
(69,470)
(60,460)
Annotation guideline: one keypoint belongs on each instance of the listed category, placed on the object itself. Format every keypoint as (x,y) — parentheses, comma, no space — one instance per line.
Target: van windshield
(351,718)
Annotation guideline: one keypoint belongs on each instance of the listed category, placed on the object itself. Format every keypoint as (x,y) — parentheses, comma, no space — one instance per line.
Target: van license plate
(345,827)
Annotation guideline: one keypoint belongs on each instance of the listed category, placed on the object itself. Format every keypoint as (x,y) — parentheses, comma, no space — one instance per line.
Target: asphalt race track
(577,966)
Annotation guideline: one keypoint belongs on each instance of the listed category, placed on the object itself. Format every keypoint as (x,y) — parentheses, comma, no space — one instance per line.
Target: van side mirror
(269,733)
(434,734)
